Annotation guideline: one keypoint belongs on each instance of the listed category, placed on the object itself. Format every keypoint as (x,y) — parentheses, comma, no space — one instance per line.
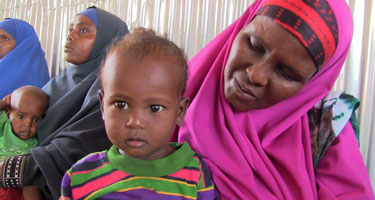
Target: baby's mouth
(24,134)
(135,142)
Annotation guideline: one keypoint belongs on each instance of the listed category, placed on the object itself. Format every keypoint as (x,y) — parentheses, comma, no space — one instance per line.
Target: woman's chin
(72,60)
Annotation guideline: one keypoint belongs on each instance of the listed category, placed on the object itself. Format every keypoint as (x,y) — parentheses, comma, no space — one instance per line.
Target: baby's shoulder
(91,161)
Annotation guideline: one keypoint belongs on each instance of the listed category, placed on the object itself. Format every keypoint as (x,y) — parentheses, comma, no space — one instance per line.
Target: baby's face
(25,115)
(141,104)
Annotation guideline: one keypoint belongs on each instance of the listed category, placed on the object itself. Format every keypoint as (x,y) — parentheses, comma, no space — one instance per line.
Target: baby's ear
(101,97)
(7,101)
(183,106)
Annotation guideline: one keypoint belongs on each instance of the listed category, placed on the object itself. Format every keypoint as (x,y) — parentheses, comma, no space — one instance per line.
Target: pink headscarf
(257,154)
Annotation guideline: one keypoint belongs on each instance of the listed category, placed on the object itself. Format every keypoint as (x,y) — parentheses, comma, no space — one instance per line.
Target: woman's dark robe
(73,125)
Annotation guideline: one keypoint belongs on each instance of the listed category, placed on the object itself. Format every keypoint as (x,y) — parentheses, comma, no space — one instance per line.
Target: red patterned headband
(311,21)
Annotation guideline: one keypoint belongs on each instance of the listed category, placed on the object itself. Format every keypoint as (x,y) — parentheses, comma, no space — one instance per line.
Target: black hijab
(73,125)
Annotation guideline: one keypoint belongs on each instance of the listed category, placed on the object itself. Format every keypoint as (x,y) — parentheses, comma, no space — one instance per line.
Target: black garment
(73,125)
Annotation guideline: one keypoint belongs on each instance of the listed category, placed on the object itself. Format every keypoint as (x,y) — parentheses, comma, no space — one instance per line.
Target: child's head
(143,78)
(27,107)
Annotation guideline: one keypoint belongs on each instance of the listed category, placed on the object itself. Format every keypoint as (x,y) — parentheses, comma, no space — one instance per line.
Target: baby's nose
(28,122)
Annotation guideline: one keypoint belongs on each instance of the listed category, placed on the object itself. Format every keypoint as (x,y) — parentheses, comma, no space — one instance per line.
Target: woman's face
(7,43)
(80,41)
(266,65)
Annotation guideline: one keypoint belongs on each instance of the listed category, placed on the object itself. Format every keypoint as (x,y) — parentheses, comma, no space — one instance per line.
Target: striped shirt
(110,175)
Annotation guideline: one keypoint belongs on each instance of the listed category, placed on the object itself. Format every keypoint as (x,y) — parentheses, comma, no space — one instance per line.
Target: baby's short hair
(31,90)
(143,42)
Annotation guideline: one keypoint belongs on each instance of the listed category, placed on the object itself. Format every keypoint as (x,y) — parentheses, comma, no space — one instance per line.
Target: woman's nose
(258,73)
(72,35)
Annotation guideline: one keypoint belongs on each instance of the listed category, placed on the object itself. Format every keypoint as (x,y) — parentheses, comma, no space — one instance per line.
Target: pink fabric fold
(263,154)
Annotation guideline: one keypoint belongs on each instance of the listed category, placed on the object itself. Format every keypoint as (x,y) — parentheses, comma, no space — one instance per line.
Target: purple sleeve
(206,187)
(66,189)
(210,194)
(342,174)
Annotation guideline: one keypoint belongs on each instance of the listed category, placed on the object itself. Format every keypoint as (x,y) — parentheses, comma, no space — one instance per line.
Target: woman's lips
(243,92)
(68,49)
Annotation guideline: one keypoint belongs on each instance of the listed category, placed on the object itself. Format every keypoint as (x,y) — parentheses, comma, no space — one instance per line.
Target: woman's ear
(183,106)
(101,100)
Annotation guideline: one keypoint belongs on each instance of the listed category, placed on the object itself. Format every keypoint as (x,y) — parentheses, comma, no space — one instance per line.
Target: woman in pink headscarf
(262,113)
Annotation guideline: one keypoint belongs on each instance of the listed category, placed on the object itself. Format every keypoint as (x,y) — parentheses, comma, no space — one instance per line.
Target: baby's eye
(21,117)
(121,105)
(156,108)
(36,121)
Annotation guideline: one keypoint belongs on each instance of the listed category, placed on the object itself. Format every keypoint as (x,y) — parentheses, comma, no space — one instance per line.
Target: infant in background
(20,114)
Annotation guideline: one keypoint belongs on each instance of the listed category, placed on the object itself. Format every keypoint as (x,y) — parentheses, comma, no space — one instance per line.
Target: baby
(144,79)
(20,114)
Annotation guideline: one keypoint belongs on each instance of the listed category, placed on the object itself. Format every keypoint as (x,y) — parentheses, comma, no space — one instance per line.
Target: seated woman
(22,60)
(73,125)
(261,111)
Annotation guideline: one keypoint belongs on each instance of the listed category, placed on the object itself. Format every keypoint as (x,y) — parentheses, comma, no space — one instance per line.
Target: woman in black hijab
(73,125)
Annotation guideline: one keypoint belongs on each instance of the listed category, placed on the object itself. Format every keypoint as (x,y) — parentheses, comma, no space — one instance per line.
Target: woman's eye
(256,47)
(121,105)
(5,38)
(285,74)
(70,29)
(250,43)
(156,108)
(21,117)
(83,30)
